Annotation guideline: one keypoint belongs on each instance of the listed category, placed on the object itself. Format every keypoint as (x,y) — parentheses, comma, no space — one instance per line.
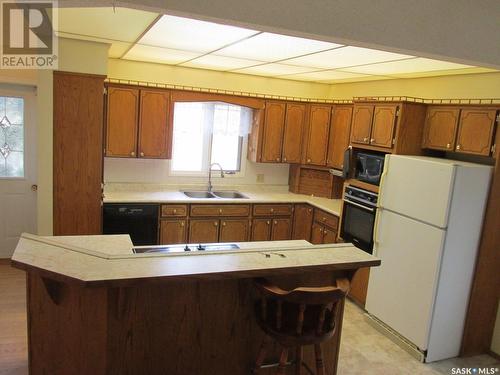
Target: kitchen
(284,152)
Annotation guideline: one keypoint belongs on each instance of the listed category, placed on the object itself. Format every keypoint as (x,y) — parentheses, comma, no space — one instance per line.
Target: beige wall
(150,72)
(74,56)
(483,85)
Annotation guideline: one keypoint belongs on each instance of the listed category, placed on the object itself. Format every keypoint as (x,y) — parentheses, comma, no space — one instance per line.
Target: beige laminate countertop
(109,260)
(332,206)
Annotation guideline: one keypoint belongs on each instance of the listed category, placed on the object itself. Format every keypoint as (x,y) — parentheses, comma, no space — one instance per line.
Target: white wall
(157,172)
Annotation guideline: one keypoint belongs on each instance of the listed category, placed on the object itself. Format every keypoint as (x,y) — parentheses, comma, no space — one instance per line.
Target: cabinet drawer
(327,219)
(173,210)
(220,210)
(272,209)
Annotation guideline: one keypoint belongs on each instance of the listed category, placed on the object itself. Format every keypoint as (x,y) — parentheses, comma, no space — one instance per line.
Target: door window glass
(11,136)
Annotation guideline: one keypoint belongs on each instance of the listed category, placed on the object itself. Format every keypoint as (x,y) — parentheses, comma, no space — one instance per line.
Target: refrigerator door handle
(375,230)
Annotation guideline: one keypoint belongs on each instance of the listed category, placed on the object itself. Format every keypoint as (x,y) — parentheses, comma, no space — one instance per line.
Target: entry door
(17,166)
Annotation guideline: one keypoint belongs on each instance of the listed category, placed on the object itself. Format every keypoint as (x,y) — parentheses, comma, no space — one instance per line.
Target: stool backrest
(323,300)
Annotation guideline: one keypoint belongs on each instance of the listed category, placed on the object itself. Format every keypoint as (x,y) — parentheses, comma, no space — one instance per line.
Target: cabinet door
(233,230)
(316,234)
(122,118)
(153,124)
(292,138)
(282,229)
(361,123)
(203,231)
(318,130)
(172,231)
(302,222)
(384,122)
(475,131)
(261,229)
(340,129)
(329,235)
(359,285)
(274,122)
(441,128)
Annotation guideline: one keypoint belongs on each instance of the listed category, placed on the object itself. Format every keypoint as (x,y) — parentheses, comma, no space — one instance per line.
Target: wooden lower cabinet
(172,231)
(302,222)
(322,234)
(233,230)
(281,229)
(261,230)
(203,230)
(359,286)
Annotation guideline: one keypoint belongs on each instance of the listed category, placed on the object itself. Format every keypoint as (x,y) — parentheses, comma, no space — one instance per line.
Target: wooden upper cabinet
(475,131)
(384,122)
(233,230)
(274,123)
(441,128)
(317,138)
(292,137)
(203,230)
(340,129)
(122,116)
(302,221)
(362,123)
(153,124)
(172,231)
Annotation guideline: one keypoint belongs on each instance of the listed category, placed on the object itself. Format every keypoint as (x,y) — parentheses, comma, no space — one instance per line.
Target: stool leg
(320,368)
(262,354)
(298,360)
(282,365)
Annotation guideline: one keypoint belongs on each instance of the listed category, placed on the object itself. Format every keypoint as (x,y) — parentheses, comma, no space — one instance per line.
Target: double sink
(215,194)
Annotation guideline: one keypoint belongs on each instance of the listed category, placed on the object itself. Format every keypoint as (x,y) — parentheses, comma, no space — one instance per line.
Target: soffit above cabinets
(166,39)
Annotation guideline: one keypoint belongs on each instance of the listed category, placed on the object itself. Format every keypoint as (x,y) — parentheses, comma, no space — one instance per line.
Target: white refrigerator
(427,233)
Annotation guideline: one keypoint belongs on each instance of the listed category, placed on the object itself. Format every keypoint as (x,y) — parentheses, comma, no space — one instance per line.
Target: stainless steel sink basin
(229,194)
(198,194)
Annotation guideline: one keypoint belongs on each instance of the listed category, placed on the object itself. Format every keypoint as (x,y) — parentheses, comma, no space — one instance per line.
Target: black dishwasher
(140,221)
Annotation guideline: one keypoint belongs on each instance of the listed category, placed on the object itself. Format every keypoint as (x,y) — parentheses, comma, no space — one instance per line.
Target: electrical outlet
(260,177)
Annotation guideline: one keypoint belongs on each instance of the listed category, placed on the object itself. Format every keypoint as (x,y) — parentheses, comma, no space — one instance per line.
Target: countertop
(332,206)
(109,259)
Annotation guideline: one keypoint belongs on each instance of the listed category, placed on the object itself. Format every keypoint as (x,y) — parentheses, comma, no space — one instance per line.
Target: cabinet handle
(459,147)
(372,140)
(309,210)
(308,160)
(284,159)
(181,223)
(272,210)
(365,139)
(268,222)
(275,222)
(220,210)
(277,159)
(324,218)
(132,153)
(320,230)
(216,223)
(448,145)
(341,165)
(174,211)
(325,232)
(223,223)
(142,154)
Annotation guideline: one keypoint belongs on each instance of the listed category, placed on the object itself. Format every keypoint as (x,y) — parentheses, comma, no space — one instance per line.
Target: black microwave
(368,167)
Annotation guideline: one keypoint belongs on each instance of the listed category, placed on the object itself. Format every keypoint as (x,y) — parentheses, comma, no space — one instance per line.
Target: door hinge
(105,90)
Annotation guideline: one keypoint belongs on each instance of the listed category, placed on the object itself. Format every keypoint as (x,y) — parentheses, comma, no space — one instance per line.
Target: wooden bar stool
(298,317)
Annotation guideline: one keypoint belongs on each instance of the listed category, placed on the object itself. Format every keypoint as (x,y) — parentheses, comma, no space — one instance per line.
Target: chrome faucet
(210,175)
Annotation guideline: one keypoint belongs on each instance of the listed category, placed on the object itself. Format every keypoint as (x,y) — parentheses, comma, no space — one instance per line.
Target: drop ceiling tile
(273,47)
(192,35)
(220,63)
(325,75)
(105,23)
(273,69)
(415,65)
(159,55)
(344,57)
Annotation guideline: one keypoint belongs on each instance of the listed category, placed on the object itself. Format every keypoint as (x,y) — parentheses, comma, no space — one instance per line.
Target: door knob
(448,145)
(34,187)
(459,147)
(132,153)
(142,154)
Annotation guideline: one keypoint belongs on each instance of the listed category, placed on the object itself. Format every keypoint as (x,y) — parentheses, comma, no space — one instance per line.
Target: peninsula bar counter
(95,307)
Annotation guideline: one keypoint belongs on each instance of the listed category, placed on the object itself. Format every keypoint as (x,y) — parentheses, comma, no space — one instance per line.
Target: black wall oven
(358,217)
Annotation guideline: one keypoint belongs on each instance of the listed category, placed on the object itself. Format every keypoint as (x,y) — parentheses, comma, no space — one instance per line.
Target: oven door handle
(360,205)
